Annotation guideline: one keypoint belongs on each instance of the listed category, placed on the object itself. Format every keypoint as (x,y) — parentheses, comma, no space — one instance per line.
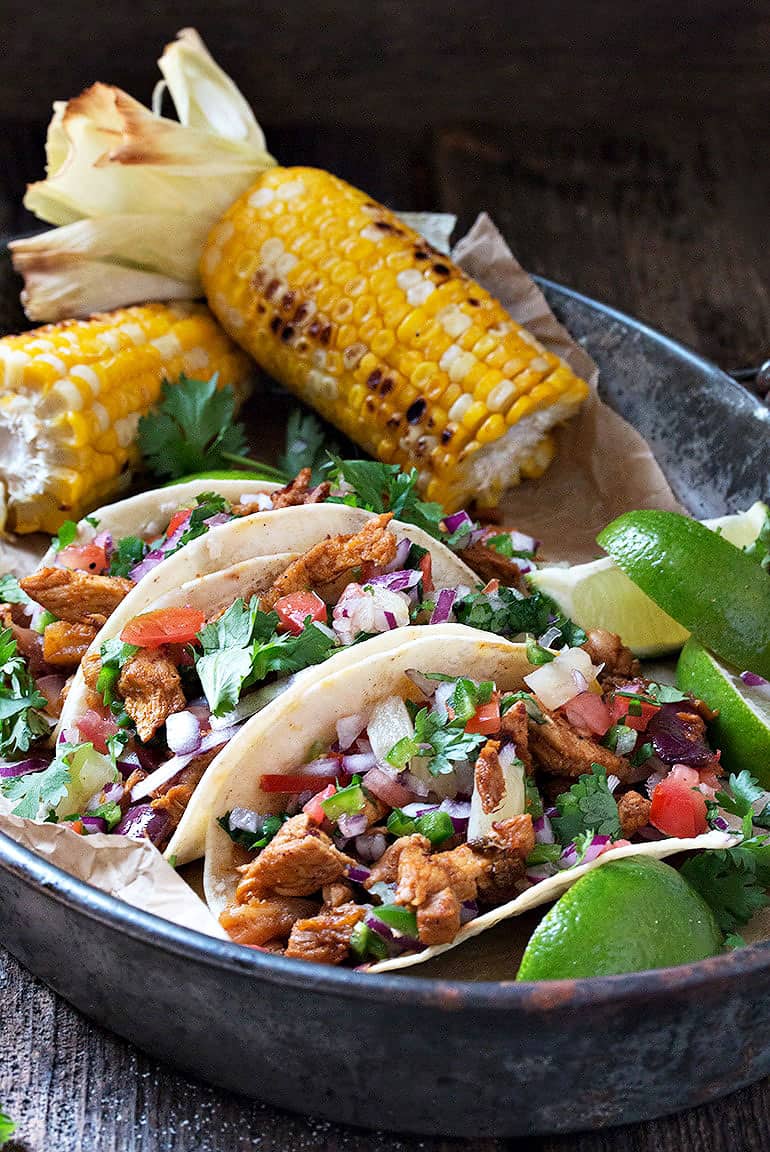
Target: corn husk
(134,192)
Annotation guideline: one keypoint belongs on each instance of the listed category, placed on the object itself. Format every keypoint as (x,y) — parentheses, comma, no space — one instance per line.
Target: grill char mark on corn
(77,389)
(354,312)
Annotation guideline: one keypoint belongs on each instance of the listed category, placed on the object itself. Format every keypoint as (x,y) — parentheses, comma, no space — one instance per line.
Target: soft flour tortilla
(216,591)
(148,513)
(280,739)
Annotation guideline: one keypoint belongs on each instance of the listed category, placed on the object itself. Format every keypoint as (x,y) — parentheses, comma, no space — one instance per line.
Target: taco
(391,810)
(165,691)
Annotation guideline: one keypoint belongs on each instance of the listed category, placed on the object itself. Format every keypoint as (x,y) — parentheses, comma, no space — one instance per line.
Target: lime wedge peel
(599,594)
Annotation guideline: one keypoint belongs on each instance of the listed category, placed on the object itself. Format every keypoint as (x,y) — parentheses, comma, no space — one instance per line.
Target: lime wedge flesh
(704,582)
(625,916)
(742,728)
(600,595)
(220,474)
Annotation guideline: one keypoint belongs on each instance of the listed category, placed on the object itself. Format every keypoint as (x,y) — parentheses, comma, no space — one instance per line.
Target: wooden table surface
(663,216)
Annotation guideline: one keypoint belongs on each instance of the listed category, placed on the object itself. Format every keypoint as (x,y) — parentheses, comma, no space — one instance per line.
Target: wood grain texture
(625,178)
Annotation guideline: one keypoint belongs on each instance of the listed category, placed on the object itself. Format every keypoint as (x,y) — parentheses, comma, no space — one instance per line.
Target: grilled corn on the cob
(71,395)
(350,309)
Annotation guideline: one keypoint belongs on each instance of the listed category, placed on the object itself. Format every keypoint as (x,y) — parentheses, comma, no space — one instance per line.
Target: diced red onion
(543,830)
(51,687)
(458,811)
(246,820)
(469,909)
(23,767)
(398,581)
(171,768)
(93,824)
(418,808)
(455,520)
(352,824)
(385,788)
(104,540)
(390,620)
(358,874)
(399,560)
(416,786)
(371,845)
(144,822)
(349,728)
(322,766)
(443,609)
(720,823)
(669,737)
(754,681)
(542,872)
(522,542)
(217,519)
(524,565)
(358,762)
(183,733)
(595,848)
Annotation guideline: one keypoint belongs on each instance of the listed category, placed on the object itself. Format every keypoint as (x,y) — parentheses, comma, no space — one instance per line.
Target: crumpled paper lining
(132,870)
(603,468)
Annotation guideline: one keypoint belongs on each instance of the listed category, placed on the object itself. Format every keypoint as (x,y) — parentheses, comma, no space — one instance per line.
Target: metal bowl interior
(497,1058)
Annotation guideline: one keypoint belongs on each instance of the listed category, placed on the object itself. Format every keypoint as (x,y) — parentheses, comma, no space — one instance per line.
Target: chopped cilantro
(665,693)
(441,741)
(193,430)
(92,520)
(534,801)
(642,754)
(385,488)
(543,854)
(306,446)
(587,807)
(503,545)
(732,881)
(244,646)
(66,535)
(253,841)
(128,552)
(21,704)
(507,612)
(733,940)
(207,504)
(11,592)
(739,801)
(38,791)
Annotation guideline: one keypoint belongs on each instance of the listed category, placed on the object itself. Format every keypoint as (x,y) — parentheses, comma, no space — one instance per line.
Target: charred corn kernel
(77,390)
(399,339)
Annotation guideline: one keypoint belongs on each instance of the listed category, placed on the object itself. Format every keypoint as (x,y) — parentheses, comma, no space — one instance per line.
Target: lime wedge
(627,916)
(706,584)
(223,474)
(600,595)
(742,728)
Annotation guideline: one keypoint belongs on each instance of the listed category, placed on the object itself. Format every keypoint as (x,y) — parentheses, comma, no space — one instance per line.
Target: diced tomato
(587,710)
(164,626)
(491,587)
(486,720)
(276,782)
(314,806)
(426,567)
(96,728)
(677,809)
(619,711)
(77,826)
(293,611)
(177,520)
(84,557)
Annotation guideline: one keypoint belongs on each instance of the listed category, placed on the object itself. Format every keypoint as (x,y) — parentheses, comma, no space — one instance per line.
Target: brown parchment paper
(603,467)
(132,870)
(588,485)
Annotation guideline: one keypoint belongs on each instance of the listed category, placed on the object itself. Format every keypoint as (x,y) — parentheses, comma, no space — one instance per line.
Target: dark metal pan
(450,1050)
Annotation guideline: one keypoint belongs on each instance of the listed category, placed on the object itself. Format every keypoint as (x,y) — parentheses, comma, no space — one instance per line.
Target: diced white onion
(183,732)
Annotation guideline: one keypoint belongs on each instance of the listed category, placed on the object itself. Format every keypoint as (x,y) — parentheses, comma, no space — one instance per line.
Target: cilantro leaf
(66,535)
(235,628)
(7,1128)
(128,551)
(260,837)
(732,881)
(385,488)
(587,807)
(222,674)
(289,653)
(36,791)
(505,612)
(306,446)
(503,545)
(11,592)
(739,801)
(21,704)
(665,693)
(192,429)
